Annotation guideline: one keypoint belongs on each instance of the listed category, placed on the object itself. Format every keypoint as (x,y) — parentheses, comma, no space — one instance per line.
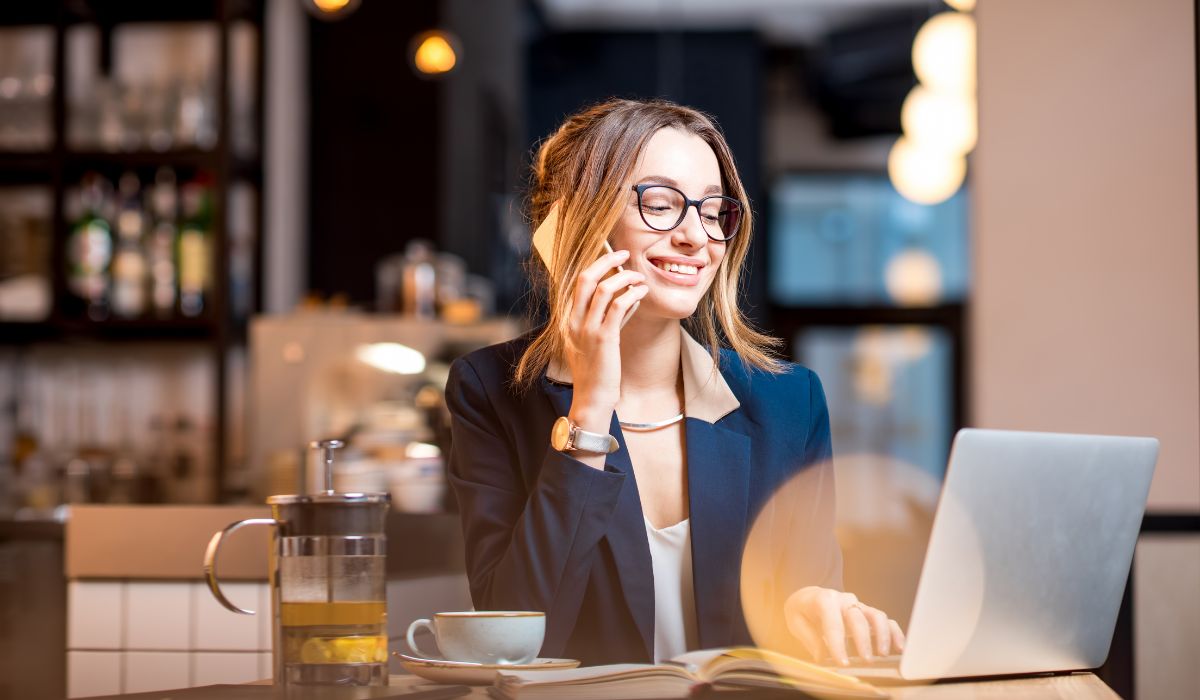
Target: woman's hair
(586,167)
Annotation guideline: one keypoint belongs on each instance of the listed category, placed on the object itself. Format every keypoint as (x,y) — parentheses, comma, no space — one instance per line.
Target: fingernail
(622,253)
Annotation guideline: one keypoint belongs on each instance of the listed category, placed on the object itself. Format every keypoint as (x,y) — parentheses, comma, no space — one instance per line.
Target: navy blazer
(546,532)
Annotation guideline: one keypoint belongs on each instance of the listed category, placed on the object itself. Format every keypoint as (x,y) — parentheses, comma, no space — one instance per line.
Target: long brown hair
(585,167)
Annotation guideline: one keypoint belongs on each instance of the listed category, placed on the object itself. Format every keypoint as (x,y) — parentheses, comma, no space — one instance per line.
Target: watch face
(560,433)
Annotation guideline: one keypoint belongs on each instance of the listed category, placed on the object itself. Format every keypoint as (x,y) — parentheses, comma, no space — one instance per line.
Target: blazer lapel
(718,496)
(627,530)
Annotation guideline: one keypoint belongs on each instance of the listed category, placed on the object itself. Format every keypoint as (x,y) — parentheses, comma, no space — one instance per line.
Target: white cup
(483,637)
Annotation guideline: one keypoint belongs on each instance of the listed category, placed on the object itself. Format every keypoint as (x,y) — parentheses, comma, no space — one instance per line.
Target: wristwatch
(565,436)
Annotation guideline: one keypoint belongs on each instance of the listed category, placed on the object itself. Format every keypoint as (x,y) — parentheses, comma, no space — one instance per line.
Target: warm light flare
(944,53)
(914,278)
(940,121)
(392,358)
(331,5)
(923,174)
(330,10)
(435,54)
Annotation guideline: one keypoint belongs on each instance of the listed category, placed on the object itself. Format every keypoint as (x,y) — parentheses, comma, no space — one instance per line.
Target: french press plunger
(328,580)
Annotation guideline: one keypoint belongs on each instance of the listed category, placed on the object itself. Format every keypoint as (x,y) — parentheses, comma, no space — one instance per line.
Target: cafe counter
(139,616)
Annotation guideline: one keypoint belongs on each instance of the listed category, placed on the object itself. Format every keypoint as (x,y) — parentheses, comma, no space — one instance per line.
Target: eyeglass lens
(663,208)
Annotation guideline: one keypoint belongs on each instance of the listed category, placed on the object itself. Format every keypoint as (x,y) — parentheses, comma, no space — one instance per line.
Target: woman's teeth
(675,267)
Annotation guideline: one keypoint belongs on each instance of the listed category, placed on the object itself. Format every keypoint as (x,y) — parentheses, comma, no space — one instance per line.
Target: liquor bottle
(90,247)
(195,233)
(162,244)
(129,267)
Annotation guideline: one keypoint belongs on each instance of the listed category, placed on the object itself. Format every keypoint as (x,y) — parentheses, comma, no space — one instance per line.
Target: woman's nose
(690,232)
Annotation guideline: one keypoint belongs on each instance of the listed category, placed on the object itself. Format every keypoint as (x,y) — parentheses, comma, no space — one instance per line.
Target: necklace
(651,426)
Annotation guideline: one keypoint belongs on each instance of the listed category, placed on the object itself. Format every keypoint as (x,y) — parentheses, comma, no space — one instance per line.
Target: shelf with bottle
(139,86)
(139,252)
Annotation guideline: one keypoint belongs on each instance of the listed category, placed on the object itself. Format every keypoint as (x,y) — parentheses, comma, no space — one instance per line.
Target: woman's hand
(823,618)
(594,341)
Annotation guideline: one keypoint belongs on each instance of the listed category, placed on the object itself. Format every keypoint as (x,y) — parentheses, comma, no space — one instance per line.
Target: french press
(328,578)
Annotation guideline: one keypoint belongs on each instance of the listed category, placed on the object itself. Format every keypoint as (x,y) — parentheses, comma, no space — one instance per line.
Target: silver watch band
(584,441)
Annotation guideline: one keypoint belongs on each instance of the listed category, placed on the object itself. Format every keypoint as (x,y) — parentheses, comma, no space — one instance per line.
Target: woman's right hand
(593,349)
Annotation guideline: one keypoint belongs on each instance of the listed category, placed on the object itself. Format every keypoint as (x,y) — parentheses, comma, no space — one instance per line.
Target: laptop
(1028,557)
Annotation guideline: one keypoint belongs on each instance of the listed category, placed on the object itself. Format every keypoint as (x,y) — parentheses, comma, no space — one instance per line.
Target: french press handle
(210,560)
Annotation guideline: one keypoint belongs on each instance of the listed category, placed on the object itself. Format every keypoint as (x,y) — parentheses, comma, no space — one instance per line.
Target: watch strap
(584,441)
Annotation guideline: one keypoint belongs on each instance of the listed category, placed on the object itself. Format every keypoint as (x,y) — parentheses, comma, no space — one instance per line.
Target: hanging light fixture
(434,53)
(923,174)
(940,120)
(927,165)
(330,10)
(944,53)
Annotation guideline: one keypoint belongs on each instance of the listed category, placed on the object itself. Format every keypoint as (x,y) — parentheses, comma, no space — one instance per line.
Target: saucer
(468,673)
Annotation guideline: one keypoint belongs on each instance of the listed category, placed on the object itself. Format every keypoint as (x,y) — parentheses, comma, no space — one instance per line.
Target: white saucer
(467,673)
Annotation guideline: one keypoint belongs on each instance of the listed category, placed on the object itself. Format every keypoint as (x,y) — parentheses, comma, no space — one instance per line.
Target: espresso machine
(328,577)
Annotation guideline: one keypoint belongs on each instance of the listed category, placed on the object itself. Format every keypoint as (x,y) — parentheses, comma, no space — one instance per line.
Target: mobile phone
(543,243)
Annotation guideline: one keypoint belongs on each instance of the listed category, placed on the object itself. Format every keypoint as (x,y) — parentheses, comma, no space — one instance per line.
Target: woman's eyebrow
(664,180)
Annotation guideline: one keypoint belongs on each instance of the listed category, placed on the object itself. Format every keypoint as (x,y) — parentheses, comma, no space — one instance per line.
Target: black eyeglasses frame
(688,203)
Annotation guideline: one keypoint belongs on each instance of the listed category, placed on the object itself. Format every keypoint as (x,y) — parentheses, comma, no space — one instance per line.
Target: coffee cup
(483,636)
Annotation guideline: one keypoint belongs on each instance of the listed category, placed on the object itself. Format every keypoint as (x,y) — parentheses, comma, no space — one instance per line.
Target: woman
(609,466)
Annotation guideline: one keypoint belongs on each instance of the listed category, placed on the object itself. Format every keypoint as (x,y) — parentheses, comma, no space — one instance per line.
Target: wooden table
(1076,685)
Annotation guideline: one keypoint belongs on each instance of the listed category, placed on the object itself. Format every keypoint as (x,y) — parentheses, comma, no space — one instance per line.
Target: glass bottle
(162,244)
(90,247)
(194,240)
(129,267)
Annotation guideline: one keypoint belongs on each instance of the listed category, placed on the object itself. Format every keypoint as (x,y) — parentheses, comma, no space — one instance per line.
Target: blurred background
(230,227)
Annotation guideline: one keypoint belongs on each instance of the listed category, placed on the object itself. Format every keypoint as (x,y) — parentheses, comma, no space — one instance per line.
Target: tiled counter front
(139,618)
(136,636)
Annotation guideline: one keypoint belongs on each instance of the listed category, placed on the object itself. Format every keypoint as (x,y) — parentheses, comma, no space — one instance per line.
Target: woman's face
(680,264)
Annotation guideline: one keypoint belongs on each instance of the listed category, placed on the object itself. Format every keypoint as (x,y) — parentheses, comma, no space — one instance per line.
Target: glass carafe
(328,577)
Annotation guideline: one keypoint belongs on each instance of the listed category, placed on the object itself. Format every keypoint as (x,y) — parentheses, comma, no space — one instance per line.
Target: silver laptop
(1028,557)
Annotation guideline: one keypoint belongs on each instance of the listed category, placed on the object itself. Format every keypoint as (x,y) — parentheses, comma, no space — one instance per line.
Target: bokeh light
(923,174)
(435,53)
(914,278)
(331,9)
(944,53)
(940,121)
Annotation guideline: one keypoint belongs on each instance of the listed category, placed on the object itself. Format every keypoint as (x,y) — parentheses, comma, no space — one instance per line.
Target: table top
(1076,685)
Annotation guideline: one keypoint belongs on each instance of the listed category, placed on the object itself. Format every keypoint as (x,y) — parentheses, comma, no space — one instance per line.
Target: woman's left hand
(823,618)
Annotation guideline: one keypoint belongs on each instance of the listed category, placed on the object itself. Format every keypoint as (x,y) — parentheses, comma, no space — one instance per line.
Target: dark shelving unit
(218,328)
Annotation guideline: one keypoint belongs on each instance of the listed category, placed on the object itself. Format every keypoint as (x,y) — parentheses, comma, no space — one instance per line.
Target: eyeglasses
(663,208)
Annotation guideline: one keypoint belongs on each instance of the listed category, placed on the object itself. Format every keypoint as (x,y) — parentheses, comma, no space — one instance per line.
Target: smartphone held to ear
(543,243)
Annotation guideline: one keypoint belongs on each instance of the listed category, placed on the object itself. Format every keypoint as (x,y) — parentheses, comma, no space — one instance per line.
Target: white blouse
(674,598)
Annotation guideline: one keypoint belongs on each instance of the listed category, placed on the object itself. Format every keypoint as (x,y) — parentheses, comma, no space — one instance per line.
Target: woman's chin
(668,306)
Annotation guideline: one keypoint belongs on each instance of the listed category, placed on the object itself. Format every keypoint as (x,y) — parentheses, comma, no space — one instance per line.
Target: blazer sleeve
(527,547)
(793,544)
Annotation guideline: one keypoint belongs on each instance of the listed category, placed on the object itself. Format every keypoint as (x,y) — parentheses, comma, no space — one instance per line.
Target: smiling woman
(608,465)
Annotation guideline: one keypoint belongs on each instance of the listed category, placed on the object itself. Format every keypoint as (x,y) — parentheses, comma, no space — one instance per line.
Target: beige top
(674,598)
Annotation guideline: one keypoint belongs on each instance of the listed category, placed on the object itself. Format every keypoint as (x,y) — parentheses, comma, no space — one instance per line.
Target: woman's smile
(685,272)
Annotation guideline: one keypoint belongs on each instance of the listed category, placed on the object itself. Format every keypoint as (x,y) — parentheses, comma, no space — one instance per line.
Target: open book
(738,667)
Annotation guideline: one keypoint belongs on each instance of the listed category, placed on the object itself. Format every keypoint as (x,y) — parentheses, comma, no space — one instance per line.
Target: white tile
(146,671)
(93,673)
(216,629)
(211,667)
(158,615)
(94,614)
(266,620)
